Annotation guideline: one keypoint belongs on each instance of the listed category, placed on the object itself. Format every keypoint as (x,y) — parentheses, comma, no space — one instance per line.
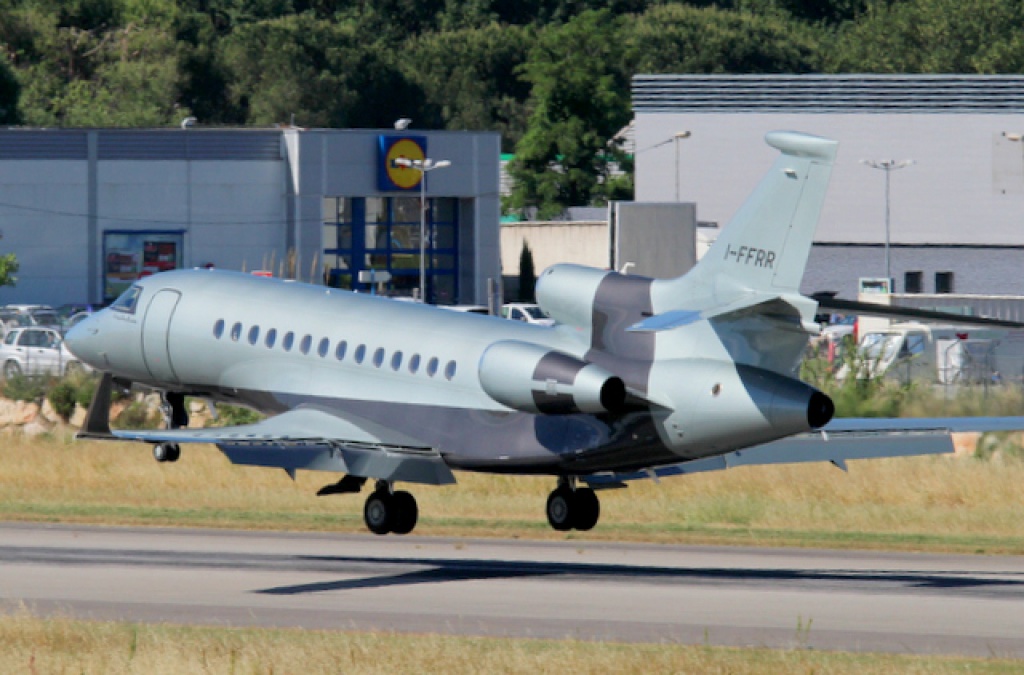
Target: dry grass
(33,645)
(932,503)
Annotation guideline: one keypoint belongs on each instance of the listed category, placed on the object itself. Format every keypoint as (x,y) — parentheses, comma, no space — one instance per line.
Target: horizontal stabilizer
(751,302)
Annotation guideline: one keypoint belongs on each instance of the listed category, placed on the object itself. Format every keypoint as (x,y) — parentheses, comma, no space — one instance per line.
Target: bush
(62,397)
(233,415)
(138,415)
(23,388)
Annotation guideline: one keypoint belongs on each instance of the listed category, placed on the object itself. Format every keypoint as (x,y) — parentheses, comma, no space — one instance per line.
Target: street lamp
(424,166)
(888,166)
(680,135)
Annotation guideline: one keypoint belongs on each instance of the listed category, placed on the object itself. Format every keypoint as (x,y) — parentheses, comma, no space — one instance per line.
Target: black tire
(405,514)
(378,512)
(586,509)
(11,369)
(166,452)
(560,509)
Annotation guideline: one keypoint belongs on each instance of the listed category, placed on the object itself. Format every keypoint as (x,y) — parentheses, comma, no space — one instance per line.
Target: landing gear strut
(172,405)
(388,511)
(572,508)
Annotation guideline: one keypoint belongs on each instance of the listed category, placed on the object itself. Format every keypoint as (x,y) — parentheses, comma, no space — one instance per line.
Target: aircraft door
(155,331)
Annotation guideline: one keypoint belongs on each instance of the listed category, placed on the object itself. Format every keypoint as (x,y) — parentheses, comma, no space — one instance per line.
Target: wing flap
(833,447)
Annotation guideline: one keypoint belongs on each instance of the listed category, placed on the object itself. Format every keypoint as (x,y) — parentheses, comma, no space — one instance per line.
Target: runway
(595,591)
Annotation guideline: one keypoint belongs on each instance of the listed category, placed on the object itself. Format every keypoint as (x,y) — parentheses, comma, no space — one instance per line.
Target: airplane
(639,378)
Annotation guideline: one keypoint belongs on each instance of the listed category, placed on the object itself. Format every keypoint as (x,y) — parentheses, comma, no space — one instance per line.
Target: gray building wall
(965,188)
(241,197)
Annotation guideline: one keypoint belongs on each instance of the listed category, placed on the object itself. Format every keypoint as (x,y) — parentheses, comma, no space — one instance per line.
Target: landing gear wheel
(560,508)
(405,512)
(166,452)
(378,512)
(586,509)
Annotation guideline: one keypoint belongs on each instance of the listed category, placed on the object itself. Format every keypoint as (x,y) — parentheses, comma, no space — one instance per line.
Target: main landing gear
(172,405)
(386,511)
(571,507)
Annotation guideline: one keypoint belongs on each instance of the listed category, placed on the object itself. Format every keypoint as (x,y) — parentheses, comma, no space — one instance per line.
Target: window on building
(383,233)
(943,282)
(913,282)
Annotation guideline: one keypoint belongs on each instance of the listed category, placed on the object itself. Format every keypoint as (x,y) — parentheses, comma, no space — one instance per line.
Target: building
(955,208)
(89,211)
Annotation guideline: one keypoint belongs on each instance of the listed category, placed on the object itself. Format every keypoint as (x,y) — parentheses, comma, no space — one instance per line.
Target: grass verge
(925,504)
(60,645)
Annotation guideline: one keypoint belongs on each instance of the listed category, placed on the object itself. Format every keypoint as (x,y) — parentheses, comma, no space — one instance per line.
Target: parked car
(36,351)
(528,312)
(36,315)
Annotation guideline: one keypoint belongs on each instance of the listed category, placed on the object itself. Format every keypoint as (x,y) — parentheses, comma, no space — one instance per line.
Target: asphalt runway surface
(791,598)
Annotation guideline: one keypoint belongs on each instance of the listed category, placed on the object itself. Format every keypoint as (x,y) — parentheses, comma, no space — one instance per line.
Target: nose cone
(81,340)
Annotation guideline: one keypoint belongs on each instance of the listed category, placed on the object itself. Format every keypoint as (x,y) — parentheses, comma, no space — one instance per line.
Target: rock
(35,428)
(49,414)
(965,444)
(78,416)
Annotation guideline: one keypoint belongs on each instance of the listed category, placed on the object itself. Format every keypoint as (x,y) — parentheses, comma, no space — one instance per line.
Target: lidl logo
(391,176)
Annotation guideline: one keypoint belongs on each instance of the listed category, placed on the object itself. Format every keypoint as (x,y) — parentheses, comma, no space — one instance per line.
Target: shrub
(233,415)
(23,388)
(62,397)
(138,415)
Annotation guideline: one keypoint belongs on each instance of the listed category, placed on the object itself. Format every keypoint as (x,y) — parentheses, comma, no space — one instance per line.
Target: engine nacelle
(531,378)
(567,292)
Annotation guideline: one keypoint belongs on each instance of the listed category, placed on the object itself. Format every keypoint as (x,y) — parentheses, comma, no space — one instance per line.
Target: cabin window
(271,338)
(378,358)
(236,332)
(449,370)
(218,329)
(339,353)
(127,301)
(360,353)
(396,361)
(325,346)
(306,343)
(432,367)
(414,363)
(289,340)
(254,335)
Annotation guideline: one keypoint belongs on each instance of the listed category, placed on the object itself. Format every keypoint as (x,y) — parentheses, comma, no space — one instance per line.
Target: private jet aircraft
(639,377)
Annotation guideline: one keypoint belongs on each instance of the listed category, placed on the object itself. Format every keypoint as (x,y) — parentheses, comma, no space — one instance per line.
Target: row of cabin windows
(323,348)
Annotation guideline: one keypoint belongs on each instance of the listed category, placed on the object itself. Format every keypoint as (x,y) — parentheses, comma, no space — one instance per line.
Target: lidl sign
(390,176)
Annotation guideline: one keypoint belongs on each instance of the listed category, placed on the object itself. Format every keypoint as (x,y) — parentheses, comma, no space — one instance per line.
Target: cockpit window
(128,300)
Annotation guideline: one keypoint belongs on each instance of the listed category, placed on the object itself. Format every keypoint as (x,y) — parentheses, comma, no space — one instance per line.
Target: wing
(304,438)
(841,440)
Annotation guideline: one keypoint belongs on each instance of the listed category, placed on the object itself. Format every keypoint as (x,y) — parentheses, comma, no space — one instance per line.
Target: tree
(527,275)
(8,268)
(579,100)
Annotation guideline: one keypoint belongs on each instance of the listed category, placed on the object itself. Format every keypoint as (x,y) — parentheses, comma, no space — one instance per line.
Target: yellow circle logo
(403,176)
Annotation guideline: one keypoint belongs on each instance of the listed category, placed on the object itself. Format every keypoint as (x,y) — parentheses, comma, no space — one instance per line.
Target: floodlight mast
(424,166)
(887,165)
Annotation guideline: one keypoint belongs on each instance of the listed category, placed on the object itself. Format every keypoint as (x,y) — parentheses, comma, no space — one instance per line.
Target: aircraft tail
(764,248)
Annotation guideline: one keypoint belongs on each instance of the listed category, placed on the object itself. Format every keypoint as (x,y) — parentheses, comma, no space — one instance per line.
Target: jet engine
(531,378)
(567,292)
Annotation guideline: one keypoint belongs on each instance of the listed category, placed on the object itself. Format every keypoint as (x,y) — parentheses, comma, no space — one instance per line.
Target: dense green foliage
(552,76)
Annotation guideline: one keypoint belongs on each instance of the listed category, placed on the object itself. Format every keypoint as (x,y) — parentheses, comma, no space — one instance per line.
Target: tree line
(552,76)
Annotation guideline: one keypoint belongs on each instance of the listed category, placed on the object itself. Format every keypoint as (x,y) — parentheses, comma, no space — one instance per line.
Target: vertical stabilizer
(765,246)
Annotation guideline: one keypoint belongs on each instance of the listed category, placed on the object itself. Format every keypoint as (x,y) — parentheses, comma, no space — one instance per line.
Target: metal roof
(142,144)
(829,93)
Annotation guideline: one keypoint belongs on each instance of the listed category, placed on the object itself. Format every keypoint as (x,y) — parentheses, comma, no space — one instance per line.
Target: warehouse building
(950,147)
(89,211)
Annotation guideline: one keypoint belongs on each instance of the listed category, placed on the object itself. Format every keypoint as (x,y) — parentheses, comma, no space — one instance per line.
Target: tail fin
(766,244)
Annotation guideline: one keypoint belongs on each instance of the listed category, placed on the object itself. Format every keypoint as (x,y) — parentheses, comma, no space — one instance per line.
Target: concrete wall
(582,242)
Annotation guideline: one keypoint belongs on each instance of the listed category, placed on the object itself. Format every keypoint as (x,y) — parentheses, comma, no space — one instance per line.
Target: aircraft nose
(78,338)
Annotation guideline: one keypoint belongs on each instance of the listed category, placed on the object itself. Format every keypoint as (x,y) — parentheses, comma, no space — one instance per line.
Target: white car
(36,351)
(528,312)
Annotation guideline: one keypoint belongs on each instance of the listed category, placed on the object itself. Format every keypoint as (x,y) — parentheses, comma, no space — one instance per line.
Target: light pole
(888,166)
(424,166)
(680,136)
